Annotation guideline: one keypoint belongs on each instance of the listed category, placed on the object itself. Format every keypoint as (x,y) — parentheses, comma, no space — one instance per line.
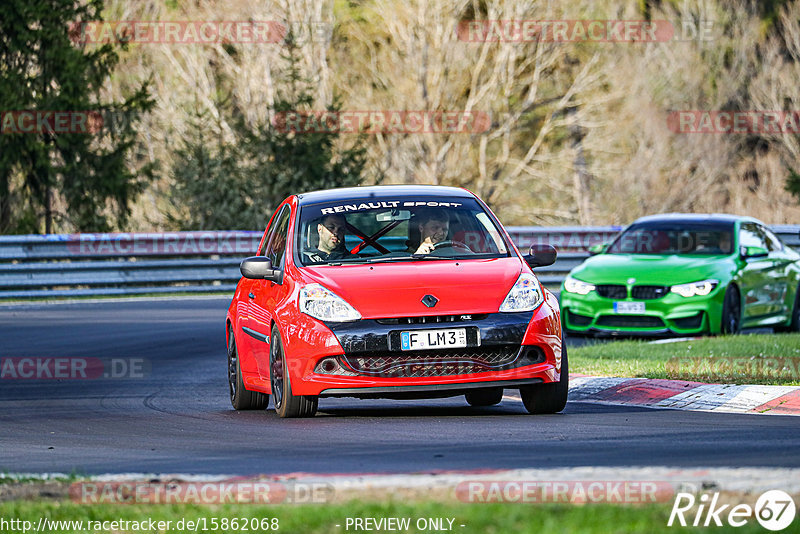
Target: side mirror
(597,248)
(753,252)
(541,256)
(260,268)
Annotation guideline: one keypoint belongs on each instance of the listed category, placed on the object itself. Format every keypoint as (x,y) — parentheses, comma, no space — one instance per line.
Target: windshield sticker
(363,206)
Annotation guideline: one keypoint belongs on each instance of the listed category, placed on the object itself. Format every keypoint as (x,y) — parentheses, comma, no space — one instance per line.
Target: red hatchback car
(392,292)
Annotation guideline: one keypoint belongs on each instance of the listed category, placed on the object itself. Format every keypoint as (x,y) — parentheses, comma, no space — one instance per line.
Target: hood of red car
(397,289)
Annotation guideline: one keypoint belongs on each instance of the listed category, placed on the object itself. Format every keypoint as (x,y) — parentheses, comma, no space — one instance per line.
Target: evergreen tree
(229,186)
(62,180)
(793,184)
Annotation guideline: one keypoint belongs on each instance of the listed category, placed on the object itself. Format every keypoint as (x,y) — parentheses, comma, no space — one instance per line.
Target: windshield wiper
(431,257)
(378,259)
(390,259)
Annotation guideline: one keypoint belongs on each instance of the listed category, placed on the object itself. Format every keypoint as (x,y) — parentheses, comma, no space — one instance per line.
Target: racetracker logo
(566,31)
(163,244)
(734,122)
(72,368)
(177,32)
(564,241)
(382,122)
(199,32)
(714,368)
(220,492)
(93,122)
(51,122)
(570,491)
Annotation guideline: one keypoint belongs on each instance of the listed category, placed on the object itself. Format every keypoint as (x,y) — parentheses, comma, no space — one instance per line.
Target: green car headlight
(572,285)
(695,289)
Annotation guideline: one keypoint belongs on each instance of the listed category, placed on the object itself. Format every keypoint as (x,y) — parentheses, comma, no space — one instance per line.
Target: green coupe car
(681,274)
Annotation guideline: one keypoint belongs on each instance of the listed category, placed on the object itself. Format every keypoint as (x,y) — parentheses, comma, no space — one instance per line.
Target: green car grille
(612,291)
(620,292)
(649,292)
(630,321)
(577,319)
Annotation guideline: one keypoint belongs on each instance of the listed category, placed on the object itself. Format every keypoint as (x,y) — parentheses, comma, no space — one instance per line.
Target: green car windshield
(675,238)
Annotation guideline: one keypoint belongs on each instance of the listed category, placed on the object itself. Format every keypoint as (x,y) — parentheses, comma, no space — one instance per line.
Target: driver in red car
(434,225)
(331,240)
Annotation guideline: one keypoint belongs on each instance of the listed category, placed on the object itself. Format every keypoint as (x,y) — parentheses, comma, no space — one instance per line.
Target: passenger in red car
(331,240)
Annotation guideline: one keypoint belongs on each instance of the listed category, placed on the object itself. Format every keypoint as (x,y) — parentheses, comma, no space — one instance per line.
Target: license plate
(433,339)
(629,307)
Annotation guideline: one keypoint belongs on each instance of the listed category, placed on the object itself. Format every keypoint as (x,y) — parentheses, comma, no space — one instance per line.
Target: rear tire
(484,397)
(731,311)
(287,405)
(241,398)
(548,398)
(794,326)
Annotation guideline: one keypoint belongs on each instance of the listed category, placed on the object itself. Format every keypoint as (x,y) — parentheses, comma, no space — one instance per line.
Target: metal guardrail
(43,266)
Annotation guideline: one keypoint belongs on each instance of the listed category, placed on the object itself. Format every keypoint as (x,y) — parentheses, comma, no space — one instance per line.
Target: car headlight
(695,289)
(323,304)
(526,295)
(572,285)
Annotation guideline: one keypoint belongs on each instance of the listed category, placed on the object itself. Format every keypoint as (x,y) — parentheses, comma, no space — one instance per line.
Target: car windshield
(679,237)
(389,229)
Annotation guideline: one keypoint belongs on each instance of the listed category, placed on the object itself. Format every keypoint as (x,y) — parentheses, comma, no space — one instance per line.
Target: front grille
(576,319)
(689,322)
(425,363)
(649,292)
(612,291)
(630,321)
(433,319)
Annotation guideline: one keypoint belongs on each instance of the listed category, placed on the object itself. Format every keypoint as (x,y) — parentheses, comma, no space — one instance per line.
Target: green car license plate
(629,307)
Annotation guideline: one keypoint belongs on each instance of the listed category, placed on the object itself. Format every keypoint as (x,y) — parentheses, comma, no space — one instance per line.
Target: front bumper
(669,315)
(530,341)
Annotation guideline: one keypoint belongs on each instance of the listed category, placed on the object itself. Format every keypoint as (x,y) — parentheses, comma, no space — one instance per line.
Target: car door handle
(251,295)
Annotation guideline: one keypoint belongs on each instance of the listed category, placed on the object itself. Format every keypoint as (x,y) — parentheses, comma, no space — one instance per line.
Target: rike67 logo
(774,510)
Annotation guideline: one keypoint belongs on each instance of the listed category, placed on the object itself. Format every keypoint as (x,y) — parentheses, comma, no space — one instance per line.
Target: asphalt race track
(177,417)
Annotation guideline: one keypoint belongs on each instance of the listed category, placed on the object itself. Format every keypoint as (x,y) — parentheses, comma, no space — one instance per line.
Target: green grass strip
(745,359)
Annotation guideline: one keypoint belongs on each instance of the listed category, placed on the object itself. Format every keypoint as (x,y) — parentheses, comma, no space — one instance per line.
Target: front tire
(484,397)
(794,326)
(241,398)
(731,311)
(548,398)
(287,405)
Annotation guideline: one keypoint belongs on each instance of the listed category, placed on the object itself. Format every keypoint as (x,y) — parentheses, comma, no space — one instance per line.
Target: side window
(773,243)
(269,232)
(751,236)
(277,238)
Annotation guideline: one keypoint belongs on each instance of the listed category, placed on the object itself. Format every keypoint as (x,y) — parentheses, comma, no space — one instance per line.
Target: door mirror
(260,268)
(597,248)
(753,252)
(541,256)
